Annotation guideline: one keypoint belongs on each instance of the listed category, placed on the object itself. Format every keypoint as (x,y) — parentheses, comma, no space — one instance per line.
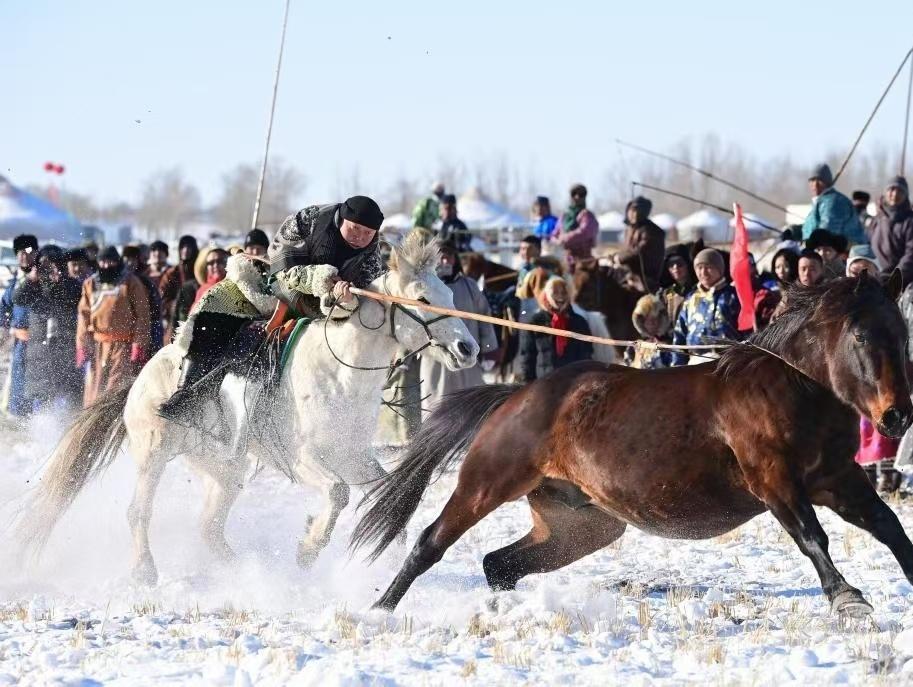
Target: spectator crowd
(84,321)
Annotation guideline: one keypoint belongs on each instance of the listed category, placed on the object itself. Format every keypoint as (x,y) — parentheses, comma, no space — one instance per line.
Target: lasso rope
(500,322)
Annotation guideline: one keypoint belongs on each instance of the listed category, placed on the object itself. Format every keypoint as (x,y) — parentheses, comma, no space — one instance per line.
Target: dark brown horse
(771,425)
(597,289)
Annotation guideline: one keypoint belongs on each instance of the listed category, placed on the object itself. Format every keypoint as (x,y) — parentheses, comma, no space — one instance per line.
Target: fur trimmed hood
(243,271)
(647,306)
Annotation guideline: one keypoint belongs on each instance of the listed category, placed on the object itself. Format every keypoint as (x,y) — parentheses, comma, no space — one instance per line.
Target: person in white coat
(437,380)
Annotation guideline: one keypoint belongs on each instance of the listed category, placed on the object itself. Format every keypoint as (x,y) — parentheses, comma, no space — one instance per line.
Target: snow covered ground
(742,609)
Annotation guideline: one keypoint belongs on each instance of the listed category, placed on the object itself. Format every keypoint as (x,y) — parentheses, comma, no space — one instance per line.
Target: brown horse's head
(849,335)
(588,284)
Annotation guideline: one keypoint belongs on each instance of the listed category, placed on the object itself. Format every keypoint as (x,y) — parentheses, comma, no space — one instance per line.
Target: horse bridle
(394,307)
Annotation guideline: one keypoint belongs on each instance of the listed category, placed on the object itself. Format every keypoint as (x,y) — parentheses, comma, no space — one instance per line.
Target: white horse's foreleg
(321,527)
(222,489)
(149,473)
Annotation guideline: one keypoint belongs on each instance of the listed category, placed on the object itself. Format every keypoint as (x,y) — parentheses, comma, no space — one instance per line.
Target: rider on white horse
(318,252)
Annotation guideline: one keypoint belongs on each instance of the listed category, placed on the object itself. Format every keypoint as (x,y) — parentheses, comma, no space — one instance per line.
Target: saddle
(259,349)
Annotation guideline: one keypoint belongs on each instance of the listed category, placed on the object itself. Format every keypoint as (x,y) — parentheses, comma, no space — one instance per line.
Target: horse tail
(442,438)
(87,448)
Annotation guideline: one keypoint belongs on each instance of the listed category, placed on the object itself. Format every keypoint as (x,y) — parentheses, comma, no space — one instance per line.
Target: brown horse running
(771,425)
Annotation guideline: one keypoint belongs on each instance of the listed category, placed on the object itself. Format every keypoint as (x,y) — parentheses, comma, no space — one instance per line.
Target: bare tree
(281,187)
(168,204)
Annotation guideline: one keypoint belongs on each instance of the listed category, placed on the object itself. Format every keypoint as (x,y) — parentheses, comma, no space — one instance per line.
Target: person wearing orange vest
(113,329)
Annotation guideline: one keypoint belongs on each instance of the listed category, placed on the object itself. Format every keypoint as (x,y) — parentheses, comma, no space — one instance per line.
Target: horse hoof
(851,604)
(383,605)
(145,575)
(306,558)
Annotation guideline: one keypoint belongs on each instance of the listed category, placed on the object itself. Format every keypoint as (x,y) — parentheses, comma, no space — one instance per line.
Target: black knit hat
(364,211)
(25,242)
(131,252)
(448,199)
(54,254)
(76,255)
(158,245)
(189,241)
(109,254)
(824,238)
(257,237)
(862,196)
(645,205)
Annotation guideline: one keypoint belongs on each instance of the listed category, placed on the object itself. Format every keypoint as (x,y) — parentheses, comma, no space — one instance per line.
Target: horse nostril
(894,419)
(464,350)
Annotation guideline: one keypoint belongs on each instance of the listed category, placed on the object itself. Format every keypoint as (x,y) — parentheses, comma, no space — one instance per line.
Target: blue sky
(390,87)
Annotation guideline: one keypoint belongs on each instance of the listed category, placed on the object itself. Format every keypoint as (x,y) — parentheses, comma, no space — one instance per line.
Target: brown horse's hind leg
(787,500)
(853,498)
(485,483)
(560,535)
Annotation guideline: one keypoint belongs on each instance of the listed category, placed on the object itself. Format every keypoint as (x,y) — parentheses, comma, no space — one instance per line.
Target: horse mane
(417,253)
(832,301)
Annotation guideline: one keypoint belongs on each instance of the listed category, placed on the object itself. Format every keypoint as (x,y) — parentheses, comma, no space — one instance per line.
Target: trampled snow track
(743,609)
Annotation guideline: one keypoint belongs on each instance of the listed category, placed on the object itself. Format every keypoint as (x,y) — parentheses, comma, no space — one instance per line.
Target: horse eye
(860,339)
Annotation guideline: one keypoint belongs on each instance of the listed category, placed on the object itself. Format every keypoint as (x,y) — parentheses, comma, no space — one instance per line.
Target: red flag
(740,268)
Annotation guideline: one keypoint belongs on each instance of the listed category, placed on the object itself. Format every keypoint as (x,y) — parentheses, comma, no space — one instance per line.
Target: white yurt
(706,224)
(665,221)
(758,227)
(611,220)
(480,212)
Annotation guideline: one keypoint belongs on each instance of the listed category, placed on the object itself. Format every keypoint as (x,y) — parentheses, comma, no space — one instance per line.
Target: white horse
(317,426)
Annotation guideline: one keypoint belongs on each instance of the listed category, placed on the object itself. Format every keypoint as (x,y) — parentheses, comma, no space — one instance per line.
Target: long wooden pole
(906,125)
(763,225)
(704,172)
(497,321)
(872,116)
(269,126)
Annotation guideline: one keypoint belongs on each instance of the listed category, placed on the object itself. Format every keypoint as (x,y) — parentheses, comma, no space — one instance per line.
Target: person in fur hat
(540,353)
(236,296)
(644,244)
(651,320)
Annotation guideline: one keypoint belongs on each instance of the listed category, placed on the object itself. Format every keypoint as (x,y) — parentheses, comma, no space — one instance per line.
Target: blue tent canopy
(22,212)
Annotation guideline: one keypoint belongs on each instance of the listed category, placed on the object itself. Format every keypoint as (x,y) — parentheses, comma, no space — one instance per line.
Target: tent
(757,226)
(479,212)
(665,221)
(706,224)
(611,221)
(398,221)
(24,213)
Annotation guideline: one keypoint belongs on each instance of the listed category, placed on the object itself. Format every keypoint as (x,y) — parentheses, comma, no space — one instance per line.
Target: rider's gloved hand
(316,280)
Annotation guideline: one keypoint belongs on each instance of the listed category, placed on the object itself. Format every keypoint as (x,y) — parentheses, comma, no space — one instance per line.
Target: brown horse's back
(677,478)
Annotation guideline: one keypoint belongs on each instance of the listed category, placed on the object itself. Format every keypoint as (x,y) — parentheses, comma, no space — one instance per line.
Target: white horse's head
(412,275)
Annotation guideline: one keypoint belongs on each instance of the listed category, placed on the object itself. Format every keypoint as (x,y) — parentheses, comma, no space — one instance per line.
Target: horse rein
(425,324)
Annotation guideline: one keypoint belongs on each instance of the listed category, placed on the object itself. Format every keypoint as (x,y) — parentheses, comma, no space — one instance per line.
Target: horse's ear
(894,287)
(399,262)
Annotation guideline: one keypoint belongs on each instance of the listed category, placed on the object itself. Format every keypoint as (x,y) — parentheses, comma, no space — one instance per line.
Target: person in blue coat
(711,311)
(15,320)
(831,209)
